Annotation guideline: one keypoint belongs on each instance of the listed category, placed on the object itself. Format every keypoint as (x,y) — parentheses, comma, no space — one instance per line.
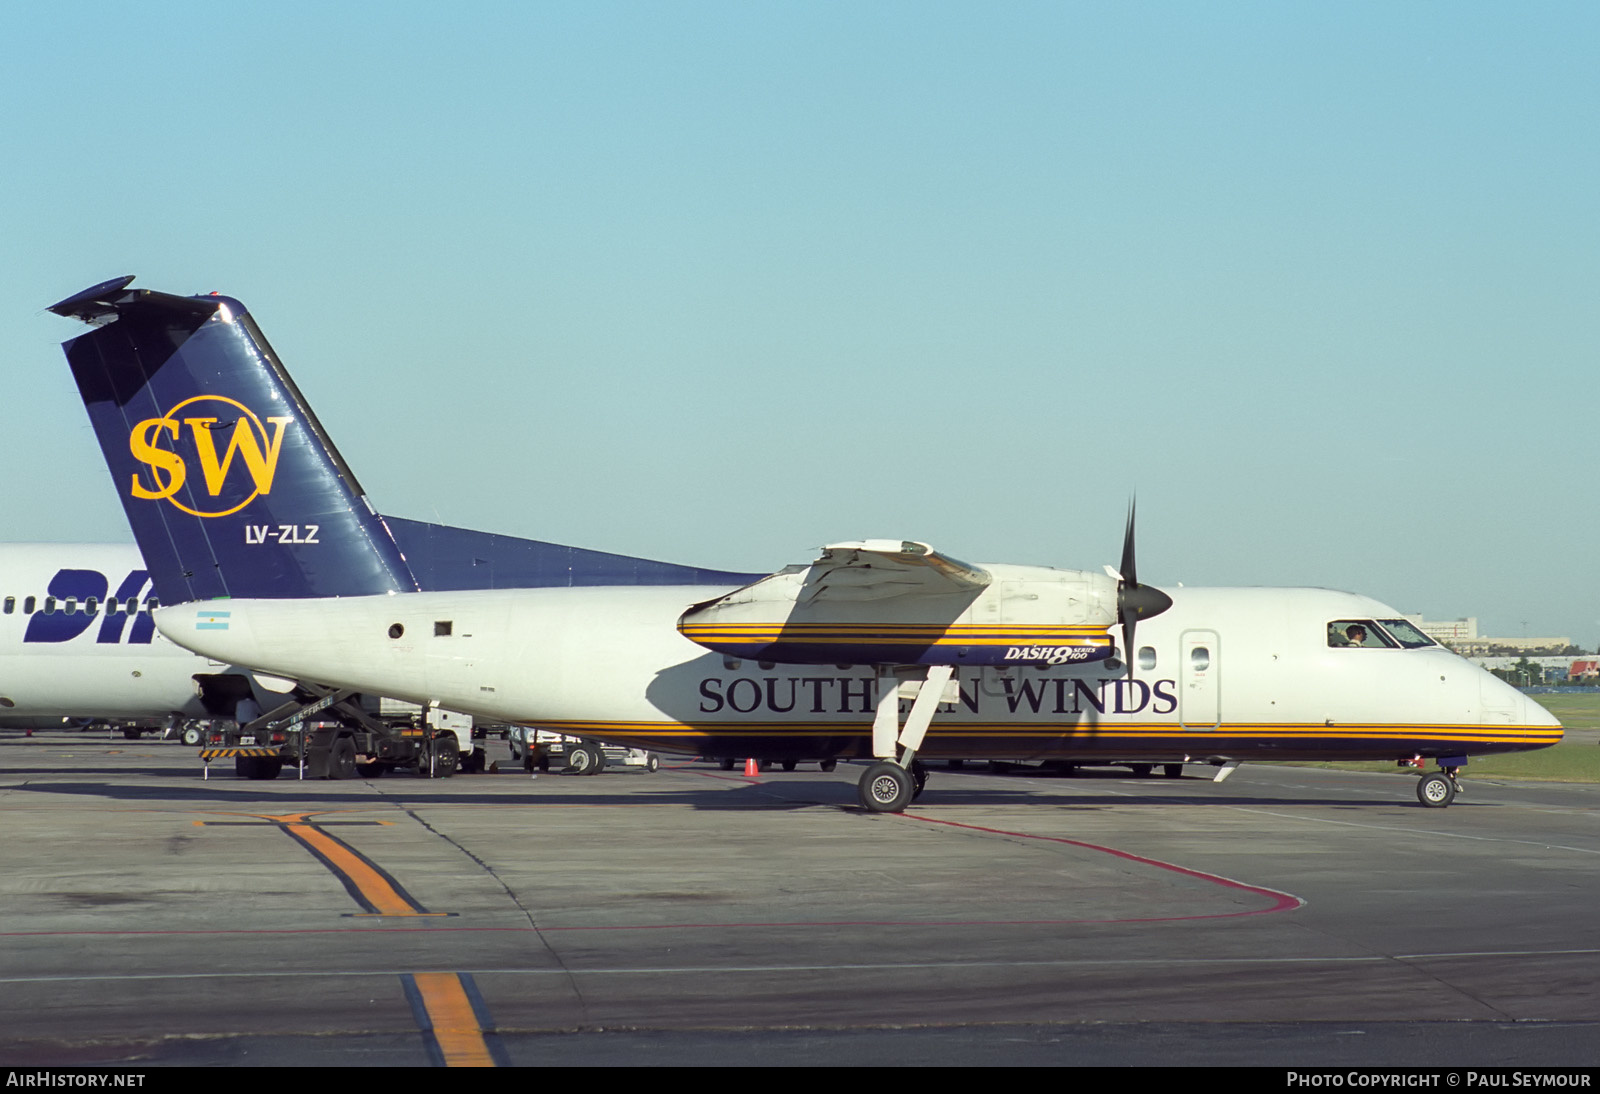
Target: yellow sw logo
(247,438)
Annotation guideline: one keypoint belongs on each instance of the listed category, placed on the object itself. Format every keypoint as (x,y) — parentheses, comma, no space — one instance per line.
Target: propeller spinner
(1134,601)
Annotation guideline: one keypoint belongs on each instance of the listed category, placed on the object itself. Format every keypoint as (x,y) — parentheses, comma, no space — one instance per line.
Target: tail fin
(230,483)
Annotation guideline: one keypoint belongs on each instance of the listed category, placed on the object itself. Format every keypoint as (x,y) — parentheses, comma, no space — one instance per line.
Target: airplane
(265,551)
(78,640)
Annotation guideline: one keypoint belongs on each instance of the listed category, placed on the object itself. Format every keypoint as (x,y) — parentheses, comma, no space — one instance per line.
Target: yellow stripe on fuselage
(1096,733)
(903,635)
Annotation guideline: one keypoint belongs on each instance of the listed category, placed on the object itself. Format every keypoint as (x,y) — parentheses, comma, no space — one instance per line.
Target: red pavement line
(1281,901)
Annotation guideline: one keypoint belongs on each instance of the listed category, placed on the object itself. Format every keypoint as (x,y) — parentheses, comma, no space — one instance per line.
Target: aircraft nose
(1535,716)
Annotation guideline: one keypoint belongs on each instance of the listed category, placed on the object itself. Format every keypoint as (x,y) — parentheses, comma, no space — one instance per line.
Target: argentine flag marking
(211,621)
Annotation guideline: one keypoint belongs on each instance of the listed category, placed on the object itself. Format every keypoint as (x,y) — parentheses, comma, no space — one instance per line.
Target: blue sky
(719,283)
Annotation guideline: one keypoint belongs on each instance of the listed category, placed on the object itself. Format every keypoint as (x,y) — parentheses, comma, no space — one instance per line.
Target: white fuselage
(89,661)
(1243,673)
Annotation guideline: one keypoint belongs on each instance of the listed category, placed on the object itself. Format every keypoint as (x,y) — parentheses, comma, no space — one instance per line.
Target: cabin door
(1199,703)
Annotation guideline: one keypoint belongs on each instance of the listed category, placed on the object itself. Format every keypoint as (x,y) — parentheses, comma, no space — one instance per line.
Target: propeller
(1134,601)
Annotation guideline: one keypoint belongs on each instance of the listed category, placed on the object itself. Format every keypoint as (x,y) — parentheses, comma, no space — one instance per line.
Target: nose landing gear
(1438,789)
(889,785)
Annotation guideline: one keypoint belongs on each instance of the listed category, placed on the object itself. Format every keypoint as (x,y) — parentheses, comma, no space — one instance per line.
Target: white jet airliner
(77,639)
(264,551)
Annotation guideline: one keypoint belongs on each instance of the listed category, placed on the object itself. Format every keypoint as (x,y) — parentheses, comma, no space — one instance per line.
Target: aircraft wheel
(788,765)
(1172,771)
(726,763)
(582,760)
(1141,771)
(652,763)
(1436,791)
(828,765)
(130,734)
(437,761)
(886,788)
(192,735)
(342,760)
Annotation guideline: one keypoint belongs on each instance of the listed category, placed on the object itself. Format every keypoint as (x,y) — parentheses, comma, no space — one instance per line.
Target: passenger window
(92,605)
(71,606)
(442,628)
(1200,658)
(27,605)
(49,605)
(133,605)
(152,604)
(11,604)
(1147,658)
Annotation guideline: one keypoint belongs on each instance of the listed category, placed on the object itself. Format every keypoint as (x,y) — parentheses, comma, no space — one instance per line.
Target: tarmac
(1287,917)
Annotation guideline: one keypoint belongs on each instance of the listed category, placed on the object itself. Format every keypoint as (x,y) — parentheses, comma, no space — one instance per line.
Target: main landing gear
(891,784)
(888,788)
(1439,788)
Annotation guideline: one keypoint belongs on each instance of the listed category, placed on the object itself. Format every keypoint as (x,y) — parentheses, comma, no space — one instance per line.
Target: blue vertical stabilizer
(229,483)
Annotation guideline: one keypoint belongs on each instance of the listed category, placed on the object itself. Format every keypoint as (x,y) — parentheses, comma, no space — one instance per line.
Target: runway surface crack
(527,913)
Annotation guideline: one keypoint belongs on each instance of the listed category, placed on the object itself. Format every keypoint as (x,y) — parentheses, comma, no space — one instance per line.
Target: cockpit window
(1405,632)
(1358,633)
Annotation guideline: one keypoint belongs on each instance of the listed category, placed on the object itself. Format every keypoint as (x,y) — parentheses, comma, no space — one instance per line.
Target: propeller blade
(1128,574)
(1135,601)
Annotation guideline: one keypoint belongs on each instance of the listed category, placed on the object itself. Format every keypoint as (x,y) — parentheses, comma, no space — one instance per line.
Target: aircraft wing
(878,569)
(884,601)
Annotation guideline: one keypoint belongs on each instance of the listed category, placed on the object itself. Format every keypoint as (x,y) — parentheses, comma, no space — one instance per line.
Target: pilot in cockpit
(1347,636)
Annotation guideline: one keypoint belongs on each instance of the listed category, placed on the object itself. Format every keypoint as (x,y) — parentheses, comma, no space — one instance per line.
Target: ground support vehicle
(542,749)
(131,729)
(326,733)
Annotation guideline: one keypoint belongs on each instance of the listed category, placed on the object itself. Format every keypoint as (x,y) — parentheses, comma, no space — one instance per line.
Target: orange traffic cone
(751,768)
